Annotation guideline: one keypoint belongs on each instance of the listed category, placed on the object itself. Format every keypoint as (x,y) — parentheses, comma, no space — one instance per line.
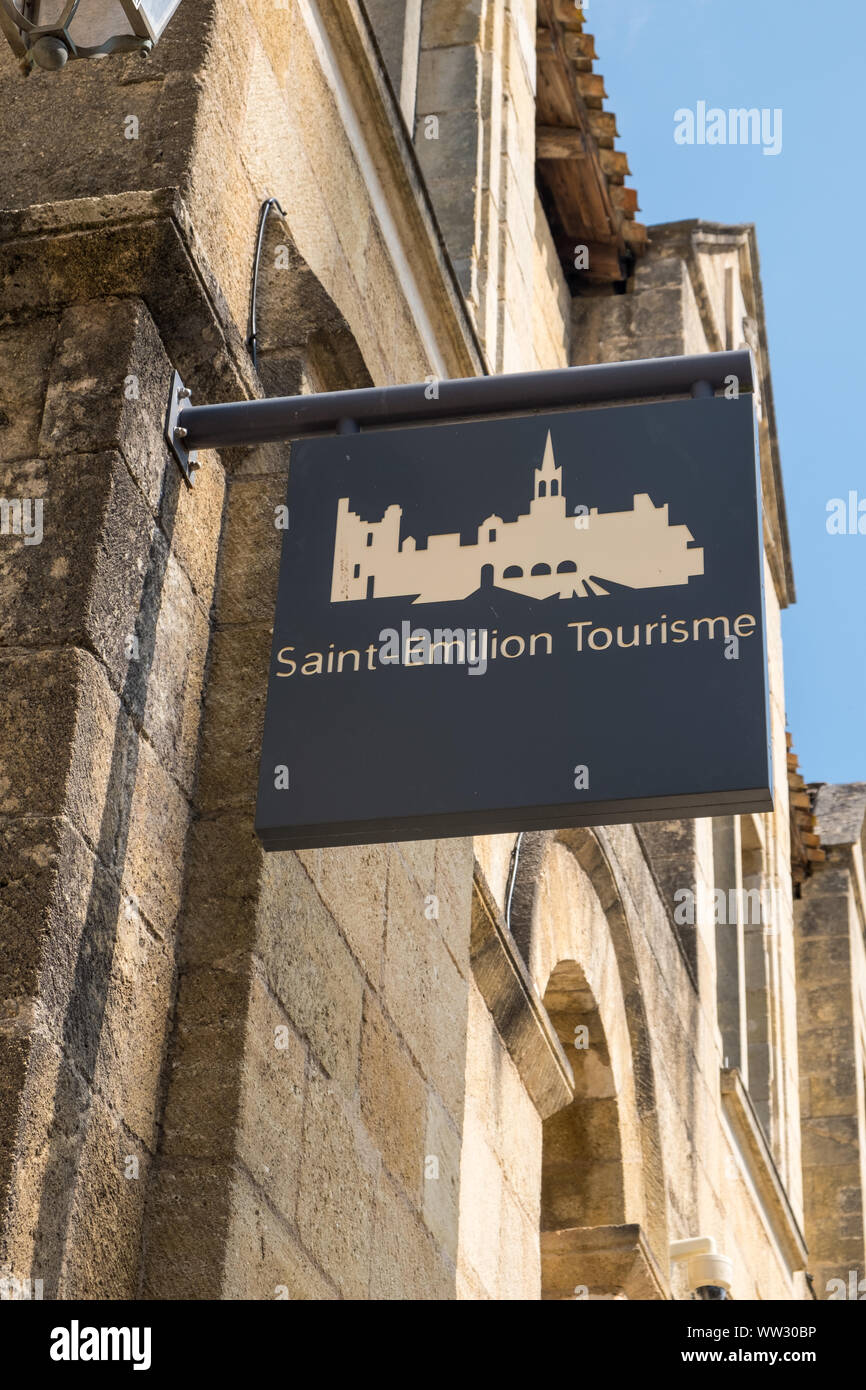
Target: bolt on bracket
(175,433)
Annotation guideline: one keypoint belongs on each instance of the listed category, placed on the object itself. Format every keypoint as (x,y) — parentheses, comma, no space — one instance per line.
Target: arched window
(567,567)
(541,569)
(554,488)
(542,489)
(513,572)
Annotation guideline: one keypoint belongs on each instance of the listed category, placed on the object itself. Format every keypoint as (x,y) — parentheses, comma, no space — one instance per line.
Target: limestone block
(831,1092)
(520,113)
(352,882)
(175,693)
(453,890)
(192,518)
(104,1234)
(134,1003)
(393,1100)
(189,1212)
(250,549)
(520,1260)
(270,1113)
(109,372)
(394,334)
(231,741)
(480,1209)
(448,79)
(26,351)
(41,692)
(450,22)
(419,857)
(824,958)
(455,201)
(93,108)
(405,1263)
(469,1286)
(93,580)
(14,1056)
(224,865)
(441,1200)
(103,983)
(830,1140)
(154,860)
(308,966)
(47,1149)
(518,1139)
(264,1260)
(30,852)
(203,1102)
(824,913)
(336,1202)
(423,989)
(457,151)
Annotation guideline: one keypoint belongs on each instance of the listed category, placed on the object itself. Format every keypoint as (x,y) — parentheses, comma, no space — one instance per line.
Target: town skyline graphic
(546,552)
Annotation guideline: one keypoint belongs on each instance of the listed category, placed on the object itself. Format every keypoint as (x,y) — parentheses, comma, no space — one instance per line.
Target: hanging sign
(519,623)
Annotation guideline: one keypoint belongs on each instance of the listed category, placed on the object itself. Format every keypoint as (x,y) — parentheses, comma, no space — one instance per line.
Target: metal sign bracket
(175,433)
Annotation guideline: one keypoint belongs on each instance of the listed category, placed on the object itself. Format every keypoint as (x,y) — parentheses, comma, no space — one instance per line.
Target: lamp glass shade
(44,13)
(97,21)
(155,14)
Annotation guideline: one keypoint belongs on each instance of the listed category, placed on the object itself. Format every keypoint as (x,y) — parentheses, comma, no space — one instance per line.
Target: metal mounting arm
(192,427)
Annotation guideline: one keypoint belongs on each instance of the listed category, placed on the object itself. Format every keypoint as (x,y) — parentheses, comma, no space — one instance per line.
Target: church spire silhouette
(548,478)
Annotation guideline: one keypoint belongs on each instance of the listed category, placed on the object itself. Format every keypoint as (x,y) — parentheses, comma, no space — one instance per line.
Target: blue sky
(808,206)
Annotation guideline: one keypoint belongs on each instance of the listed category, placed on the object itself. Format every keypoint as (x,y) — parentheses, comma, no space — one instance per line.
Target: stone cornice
(691,238)
(762,1169)
(601,1259)
(129,244)
(520,1017)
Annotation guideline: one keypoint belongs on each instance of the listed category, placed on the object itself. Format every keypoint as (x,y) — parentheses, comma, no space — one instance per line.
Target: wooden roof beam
(560,142)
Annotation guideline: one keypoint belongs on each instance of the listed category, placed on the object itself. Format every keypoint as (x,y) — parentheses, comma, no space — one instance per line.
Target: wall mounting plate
(178,400)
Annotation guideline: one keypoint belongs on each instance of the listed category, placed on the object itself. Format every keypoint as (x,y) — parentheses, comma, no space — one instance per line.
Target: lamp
(50,32)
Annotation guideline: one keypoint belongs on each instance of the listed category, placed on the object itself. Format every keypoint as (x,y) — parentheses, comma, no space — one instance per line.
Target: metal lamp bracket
(175,434)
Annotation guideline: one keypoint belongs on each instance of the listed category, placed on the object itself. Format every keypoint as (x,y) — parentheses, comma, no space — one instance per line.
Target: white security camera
(708,1274)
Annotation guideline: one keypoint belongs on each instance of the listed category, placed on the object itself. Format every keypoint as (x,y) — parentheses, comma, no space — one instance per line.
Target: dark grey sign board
(519,623)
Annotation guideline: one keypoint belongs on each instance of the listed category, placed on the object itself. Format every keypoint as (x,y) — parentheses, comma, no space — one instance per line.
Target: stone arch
(603,1197)
(304,340)
(585,1181)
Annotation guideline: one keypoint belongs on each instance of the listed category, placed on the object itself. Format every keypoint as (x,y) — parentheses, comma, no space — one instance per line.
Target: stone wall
(337,1073)
(830,918)
(104,642)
